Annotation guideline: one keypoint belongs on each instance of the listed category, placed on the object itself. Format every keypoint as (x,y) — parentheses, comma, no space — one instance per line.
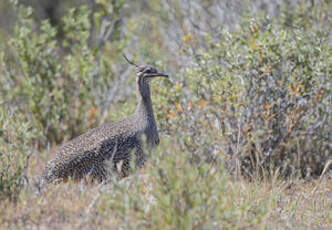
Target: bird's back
(88,152)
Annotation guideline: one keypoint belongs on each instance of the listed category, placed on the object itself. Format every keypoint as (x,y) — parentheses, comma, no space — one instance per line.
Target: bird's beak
(157,75)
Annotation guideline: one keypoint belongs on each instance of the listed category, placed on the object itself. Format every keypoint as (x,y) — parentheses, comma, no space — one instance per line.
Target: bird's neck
(144,104)
(144,112)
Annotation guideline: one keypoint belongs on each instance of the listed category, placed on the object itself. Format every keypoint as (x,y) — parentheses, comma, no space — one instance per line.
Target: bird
(111,143)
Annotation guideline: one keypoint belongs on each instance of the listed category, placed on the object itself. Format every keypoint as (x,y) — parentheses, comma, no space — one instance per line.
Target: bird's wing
(88,149)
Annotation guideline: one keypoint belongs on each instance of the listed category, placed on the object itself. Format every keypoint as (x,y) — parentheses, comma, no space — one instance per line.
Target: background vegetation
(245,119)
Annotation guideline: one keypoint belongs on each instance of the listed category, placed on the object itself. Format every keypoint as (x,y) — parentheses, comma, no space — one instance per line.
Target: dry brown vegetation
(274,204)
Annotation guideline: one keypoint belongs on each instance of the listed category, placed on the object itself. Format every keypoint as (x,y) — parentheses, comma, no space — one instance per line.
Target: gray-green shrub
(55,84)
(16,147)
(262,93)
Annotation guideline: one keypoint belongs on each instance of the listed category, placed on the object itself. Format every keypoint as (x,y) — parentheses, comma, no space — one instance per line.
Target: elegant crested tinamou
(86,155)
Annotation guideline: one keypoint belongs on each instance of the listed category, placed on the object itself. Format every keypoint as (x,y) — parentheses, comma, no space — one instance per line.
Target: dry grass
(273,204)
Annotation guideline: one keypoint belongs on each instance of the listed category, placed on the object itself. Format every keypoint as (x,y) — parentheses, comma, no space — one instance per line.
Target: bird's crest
(130,62)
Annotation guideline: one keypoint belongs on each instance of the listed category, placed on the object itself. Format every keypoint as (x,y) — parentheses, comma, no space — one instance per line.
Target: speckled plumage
(89,153)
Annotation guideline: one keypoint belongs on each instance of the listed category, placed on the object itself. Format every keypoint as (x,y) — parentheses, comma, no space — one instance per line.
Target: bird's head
(145,73)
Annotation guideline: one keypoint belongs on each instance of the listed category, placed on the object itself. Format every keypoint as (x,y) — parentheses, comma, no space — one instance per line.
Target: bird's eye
(152,70)
(147,70)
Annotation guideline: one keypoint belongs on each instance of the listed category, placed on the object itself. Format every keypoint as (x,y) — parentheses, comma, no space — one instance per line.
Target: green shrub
(262,95)
(173,194)
(54,84)
(16,146)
